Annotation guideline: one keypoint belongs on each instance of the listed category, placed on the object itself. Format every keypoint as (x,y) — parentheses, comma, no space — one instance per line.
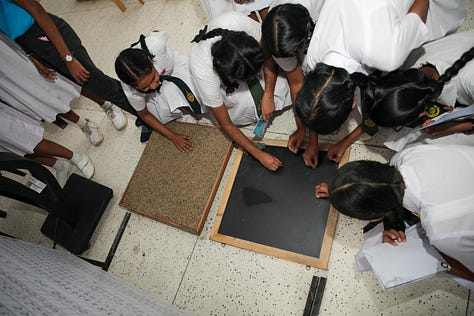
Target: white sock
(62,168)
(82,122)
(60,165)
(106,106)
(76,157)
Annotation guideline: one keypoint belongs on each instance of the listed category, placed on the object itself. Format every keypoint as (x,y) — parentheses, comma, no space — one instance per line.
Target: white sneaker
(92,131)
(115,114)
(84,164)
(62,172)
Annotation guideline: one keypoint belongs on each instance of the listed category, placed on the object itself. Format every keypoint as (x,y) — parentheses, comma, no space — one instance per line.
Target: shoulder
(236,21)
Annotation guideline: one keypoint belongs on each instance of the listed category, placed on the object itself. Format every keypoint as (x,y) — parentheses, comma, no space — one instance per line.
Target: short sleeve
(137,99)
(205,79)
(236,21)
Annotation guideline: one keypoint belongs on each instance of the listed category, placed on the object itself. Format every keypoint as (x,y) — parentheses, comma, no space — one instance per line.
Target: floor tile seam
(185,271)
(469,293)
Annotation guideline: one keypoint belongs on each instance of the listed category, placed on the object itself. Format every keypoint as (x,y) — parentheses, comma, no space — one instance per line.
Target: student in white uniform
(215,8)
(444,201)
(225,57)
(31,88)
(435,58)
(286,32)
(393,99)
(360,36)
(22,135)
(143,72)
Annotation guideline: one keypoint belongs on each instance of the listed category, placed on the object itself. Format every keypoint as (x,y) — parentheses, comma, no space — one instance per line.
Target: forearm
(46,24)
(353,136)
(222,117)
(458,269)
(270,70)
(240,139)
(420,7)
(295,80)
(313,139)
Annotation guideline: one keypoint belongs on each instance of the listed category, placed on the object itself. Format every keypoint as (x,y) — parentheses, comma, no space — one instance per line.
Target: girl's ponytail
(456,67)
(204,34)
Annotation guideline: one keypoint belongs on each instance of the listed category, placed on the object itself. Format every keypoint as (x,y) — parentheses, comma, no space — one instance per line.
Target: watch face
(68,58)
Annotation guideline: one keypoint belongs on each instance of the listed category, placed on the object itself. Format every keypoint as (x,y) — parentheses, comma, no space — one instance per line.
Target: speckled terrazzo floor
(193,273)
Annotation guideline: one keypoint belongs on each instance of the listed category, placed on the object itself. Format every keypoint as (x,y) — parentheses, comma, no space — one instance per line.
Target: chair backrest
(51,198)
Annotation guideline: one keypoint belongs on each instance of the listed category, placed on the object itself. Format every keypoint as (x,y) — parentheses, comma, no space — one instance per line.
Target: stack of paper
(406,263)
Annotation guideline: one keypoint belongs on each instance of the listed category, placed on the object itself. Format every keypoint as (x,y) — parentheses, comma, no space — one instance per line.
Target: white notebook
(406,263)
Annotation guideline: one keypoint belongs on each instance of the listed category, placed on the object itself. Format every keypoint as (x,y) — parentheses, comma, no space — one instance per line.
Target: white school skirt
(19,133)
(23,88)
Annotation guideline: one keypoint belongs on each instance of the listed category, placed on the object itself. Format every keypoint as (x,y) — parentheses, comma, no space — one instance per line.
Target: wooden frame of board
(321,262)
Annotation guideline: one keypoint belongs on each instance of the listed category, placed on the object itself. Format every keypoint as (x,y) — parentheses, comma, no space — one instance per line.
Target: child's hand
(296,140)
(49,74)
(270,162)
(182,142)
(393,237)
(310,155)
(78,72)
(321,190)
(336,151)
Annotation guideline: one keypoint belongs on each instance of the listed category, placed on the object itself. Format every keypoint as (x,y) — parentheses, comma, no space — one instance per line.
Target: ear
(354,103)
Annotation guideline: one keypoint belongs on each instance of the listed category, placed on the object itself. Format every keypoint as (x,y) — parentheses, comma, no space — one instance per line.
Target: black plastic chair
(74,211)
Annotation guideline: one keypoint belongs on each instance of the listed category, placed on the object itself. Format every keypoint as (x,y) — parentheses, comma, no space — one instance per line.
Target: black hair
(367,190)
(236,56)
(286,28)
(132,64)
(325,100)
(401,96)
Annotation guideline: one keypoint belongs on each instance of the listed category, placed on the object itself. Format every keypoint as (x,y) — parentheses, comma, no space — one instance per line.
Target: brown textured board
(276,213)
(174,187)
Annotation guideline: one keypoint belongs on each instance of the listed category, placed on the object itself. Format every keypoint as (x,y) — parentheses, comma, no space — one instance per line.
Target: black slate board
(279,209)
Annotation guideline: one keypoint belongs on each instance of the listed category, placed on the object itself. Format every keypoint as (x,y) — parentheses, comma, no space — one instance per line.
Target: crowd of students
(390,61)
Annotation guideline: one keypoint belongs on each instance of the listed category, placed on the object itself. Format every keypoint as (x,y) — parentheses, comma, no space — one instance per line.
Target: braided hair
(134,63)
(402,95)
(368,190)
(325,100)
(287,28)
(236,56)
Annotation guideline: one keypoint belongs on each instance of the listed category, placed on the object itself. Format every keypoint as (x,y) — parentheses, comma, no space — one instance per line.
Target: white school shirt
(239,104)
(363,35)
(439,183)
(215,8)
(165,104)
(314,8)
(442,54)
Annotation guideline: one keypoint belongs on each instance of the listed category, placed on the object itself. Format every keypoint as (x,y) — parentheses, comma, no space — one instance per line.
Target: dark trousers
(99,83)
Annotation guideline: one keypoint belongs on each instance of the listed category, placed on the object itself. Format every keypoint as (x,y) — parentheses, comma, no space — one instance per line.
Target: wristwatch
(68,58)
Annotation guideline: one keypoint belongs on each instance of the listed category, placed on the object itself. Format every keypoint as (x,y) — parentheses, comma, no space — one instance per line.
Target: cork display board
(178,188)
(276,213)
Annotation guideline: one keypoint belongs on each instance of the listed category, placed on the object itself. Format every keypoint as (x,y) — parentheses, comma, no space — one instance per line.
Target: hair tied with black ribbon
(200,36)
(143,46)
